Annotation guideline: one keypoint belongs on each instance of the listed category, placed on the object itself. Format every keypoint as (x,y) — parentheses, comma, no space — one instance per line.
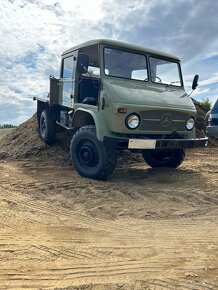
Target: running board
(64,126)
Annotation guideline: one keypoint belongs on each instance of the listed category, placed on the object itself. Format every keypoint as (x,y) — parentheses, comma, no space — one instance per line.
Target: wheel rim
(87,154)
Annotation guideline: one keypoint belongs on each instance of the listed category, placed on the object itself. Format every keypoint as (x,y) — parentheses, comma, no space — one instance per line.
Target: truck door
(67,81)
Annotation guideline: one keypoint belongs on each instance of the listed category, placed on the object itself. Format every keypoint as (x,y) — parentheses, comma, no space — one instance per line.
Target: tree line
(206,103)
(4,126)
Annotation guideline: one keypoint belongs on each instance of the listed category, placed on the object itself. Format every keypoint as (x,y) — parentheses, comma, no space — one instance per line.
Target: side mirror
(82,63)
(195,82)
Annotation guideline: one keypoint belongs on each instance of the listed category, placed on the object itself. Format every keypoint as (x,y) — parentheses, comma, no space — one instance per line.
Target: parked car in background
(211,121)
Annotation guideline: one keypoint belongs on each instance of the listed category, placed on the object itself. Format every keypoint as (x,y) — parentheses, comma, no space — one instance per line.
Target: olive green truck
(119,96)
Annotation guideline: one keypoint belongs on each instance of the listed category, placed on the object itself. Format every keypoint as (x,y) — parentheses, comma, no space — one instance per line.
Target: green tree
(206,103)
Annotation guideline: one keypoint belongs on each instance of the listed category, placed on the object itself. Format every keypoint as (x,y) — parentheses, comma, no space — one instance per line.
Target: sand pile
(24,142)
(200,121)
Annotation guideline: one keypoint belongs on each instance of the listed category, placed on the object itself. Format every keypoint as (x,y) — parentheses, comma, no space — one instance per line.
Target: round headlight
(132,121)
(190,123)
(209,119)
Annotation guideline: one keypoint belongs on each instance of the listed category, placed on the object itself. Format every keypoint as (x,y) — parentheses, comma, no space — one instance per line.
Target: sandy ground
(143,229)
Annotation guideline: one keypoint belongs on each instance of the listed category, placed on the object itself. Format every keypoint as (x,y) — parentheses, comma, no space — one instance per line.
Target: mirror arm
(190,93)
(84,68)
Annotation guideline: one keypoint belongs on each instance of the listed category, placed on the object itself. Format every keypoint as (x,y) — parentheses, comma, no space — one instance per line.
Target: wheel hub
(88,154)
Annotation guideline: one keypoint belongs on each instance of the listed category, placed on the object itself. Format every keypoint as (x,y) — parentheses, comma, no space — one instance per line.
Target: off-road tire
(47,127)
(90,157)
(163,158)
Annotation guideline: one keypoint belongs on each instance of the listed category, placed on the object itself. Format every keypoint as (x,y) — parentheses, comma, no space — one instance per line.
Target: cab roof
(124,45)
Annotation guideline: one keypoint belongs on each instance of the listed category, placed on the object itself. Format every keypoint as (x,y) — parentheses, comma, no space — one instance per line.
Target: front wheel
(89,155)
(164,158)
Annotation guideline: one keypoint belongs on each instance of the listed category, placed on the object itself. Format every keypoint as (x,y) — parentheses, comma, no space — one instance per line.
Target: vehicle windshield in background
(215,107)
(123,64)
(165,72)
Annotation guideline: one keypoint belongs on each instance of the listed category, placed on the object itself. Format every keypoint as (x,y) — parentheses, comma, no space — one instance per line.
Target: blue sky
(34,33)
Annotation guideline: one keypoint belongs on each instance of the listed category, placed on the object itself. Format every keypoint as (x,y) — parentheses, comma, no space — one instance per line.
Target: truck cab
(119,96)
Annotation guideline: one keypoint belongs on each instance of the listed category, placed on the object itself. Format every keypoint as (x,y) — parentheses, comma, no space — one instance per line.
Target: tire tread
(110,155)
(176,159)
(50,134)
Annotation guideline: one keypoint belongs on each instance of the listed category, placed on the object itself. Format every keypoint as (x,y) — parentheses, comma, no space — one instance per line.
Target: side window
(94,67)
(68,67)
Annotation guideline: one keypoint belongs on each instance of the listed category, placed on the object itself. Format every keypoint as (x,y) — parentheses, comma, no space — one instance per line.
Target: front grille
(162,121)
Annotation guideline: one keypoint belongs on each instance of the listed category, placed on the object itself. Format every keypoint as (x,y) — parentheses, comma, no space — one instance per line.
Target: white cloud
(200,91)
(34,33)
(211,80)
(90,10)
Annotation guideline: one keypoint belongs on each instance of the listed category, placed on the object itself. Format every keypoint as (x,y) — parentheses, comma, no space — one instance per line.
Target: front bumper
(134,143)
(212,131)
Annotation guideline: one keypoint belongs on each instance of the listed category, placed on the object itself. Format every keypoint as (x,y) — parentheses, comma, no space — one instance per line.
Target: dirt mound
(200,121)
(24,141)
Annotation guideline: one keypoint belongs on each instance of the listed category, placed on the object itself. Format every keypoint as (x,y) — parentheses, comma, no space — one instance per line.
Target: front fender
(83,117)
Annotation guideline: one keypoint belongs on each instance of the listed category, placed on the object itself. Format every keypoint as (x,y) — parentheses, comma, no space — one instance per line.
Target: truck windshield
(124,64)
(165,72)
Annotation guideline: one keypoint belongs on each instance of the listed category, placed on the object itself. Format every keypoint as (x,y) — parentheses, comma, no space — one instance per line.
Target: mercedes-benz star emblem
(166,120)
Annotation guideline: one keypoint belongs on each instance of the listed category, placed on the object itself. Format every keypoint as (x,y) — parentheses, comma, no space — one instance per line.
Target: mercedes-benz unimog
(119,96)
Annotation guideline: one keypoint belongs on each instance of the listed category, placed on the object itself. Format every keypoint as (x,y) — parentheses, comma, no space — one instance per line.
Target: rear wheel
(89,155)
(164,158)
(47,127)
